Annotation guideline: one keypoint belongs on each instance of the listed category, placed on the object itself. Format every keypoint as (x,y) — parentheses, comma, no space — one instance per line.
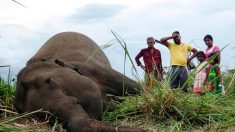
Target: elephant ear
(48,80)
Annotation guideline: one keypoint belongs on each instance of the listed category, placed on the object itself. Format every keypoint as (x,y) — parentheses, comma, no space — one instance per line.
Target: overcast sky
(24,30)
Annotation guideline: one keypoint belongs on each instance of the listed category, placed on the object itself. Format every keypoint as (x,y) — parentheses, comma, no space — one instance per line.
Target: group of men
(179,60)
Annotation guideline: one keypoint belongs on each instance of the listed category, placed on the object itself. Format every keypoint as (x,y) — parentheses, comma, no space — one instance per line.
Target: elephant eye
(48,80)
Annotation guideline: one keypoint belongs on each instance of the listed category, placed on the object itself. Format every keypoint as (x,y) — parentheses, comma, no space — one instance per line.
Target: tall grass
(7,90)
(173,110)
(163,104)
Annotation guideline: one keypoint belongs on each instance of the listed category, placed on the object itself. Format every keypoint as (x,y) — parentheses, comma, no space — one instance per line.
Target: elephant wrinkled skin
(70,76)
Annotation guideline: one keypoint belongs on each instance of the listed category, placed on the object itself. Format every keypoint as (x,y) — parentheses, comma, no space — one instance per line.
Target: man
(152,60)
(179,59)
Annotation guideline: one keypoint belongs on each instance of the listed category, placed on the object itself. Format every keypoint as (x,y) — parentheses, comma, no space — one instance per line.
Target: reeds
(7,90)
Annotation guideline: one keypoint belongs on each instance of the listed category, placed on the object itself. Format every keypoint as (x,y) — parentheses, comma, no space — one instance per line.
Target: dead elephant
(70,76)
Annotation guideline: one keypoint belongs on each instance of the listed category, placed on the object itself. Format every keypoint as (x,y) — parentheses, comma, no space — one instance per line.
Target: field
(161,108)
(157,109)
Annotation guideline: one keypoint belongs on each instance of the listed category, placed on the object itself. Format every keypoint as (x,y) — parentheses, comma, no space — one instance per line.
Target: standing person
(201,73)
(215,82)
(211,48)
(152,60)
(179,59)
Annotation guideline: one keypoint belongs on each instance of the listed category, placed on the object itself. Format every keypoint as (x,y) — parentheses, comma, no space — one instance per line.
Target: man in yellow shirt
(179,59)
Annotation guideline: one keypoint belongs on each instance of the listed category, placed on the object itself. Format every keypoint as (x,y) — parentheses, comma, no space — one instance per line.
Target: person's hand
(175,35)
(221,85)
(205,83)
(157,41)
(222,88)
(188,61)
(143,67)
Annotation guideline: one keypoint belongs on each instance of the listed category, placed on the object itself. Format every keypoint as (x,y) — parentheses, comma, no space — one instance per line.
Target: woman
(215,81)
(208,39)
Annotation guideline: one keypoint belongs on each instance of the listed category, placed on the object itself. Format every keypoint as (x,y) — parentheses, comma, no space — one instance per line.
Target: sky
(23,30)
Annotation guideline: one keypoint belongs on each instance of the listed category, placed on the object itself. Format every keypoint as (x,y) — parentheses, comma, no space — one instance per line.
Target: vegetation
(158,108)
(173,110)
(7,90)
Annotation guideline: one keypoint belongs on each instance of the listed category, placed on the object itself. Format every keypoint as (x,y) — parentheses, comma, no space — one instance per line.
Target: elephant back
(71,47)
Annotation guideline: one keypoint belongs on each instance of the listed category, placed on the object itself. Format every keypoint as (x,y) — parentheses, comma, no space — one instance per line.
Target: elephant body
(70,77)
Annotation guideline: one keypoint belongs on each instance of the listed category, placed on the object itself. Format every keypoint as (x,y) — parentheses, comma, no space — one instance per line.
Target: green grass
(6,98)
(172,110)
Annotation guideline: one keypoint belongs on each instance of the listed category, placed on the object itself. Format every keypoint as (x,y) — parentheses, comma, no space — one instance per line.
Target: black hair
(177,32)
(215,56)
(201,53)
(208,36)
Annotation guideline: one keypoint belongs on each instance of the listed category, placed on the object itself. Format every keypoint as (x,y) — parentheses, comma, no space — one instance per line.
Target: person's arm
(137,59)
(160,66)
(165,39)
(219,58)
(158,41)
(157,60)
(193,56)
(219,73)
(217,50)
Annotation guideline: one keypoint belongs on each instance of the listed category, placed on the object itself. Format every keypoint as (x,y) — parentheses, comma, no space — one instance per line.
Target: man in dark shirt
(152,60)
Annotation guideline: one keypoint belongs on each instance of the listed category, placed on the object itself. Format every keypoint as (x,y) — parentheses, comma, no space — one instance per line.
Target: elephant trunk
(92,125)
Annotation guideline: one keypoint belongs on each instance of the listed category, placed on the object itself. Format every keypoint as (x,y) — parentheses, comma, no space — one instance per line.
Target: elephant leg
(89,95)
(115,83)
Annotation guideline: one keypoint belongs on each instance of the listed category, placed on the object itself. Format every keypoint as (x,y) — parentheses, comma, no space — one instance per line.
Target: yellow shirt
(179,53)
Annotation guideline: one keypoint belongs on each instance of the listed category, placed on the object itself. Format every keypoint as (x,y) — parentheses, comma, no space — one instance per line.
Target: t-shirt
(213,49)
(179,53)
